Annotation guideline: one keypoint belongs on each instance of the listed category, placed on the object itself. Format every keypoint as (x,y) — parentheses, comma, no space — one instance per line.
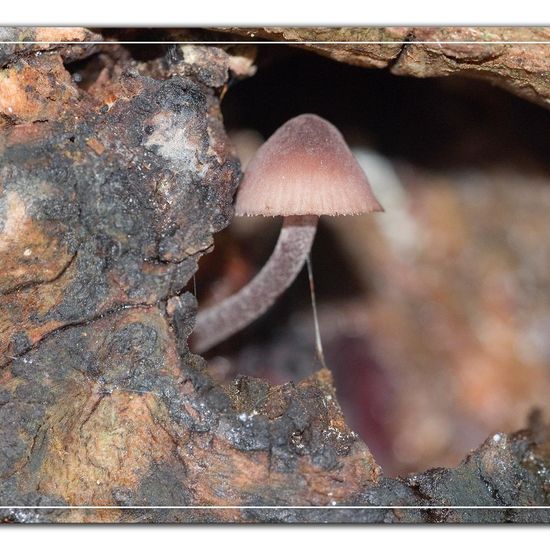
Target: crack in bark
(161,426)
(31,284)
(95,405)
(430,516)
(17,469)
(81,323)
(495,494)
(407,41)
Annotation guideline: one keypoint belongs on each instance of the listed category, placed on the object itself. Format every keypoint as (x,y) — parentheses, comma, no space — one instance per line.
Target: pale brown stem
(215,324)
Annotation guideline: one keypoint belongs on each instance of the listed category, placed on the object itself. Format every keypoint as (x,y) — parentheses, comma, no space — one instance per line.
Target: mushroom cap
(305,168)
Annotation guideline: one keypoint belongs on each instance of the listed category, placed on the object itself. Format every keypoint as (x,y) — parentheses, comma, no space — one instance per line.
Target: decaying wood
(522,68)
(109,194)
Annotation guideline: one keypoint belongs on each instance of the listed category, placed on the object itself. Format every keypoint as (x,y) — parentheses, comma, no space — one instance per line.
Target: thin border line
(275,507)
(279,42)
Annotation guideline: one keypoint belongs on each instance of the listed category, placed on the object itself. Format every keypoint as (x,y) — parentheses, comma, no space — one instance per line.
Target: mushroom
(304,170)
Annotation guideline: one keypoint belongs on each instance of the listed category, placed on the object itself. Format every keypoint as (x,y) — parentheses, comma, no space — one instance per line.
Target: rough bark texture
(520,68)
(109,192)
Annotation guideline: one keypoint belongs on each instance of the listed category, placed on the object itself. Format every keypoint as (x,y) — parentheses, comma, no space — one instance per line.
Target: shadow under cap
(305,168)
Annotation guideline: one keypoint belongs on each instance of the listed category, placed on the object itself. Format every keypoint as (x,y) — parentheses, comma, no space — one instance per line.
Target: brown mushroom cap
(304,168)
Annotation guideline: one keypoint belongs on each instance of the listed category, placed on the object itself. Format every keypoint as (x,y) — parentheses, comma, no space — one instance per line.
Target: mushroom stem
(218,322)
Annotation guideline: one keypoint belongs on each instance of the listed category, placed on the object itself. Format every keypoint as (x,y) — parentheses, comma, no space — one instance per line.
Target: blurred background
(435,315)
